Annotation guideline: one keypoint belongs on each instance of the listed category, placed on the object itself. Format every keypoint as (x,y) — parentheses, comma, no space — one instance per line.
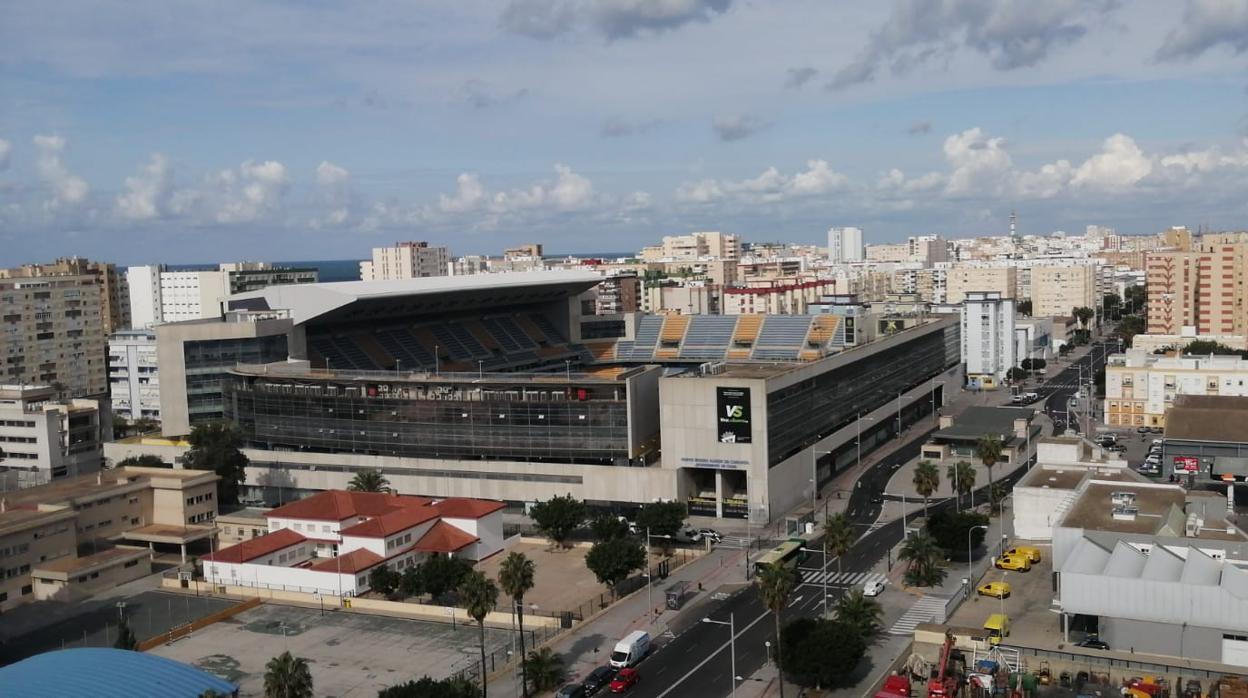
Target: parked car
(711,535)
(572,690)
(625,680)
(1116,448)
(1156,430)
(1093,643)
(1158,442)
(997,590)
(688,535)
(599,679)
(1141,430)
(1013,563)
(873,588)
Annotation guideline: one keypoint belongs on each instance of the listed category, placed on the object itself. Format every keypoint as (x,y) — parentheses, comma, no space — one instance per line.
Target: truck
(631,650)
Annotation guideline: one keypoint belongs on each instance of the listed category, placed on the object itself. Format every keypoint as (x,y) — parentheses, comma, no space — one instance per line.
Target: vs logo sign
(734,415)
(734,411)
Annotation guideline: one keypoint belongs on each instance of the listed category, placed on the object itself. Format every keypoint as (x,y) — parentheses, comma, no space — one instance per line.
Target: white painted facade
(1140,387)
(988,342)
(133,376)
(144,283)
(44,438)
(192,295)
(845,245)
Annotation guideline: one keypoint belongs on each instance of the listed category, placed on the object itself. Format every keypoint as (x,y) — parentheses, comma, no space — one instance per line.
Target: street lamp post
(732,645)
(649,579)
(437,360)
(397,369)
(970,576)
(824,572)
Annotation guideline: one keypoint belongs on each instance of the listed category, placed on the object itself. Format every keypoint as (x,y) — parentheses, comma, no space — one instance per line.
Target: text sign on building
(733,417)
(1186,464)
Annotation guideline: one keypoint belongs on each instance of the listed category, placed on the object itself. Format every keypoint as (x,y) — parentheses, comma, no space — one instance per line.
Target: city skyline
(595,126)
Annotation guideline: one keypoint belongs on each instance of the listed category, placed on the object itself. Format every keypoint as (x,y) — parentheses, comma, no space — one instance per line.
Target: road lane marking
(719,649)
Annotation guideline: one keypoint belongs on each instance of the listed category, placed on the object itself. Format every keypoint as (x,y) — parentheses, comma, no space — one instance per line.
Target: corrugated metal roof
(1087,558)
(1125,561)
(1235,581)
(1162,565)
(107,673)
(1201,569)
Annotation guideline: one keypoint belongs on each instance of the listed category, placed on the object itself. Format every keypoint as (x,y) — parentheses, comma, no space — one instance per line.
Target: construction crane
(945,683)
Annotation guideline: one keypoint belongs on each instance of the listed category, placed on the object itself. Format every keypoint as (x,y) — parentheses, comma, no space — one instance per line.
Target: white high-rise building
(133,377)
(988,348)
(406,260)
(845,245)
(144,285)
(192,295)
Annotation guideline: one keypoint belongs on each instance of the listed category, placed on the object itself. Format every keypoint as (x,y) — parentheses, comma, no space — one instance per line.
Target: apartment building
(845,245)
(775,296)
(1056,290)
(529,250)
(619,293)
(407,260)
(1203,290)
(159,295)
(243,277)
(134,375)
(1141,387)
(119,515)
(114,295)
(961,279)
(694,246)
(194,357)
(44,437)
(52,329)
(988,342)
(689,299)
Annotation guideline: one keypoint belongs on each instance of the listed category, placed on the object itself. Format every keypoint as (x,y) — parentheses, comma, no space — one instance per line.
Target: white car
(872,588)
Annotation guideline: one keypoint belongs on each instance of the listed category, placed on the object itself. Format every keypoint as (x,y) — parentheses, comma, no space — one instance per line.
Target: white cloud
(770,186)
(568,191)
(334,194)
(978,162)
(469,194)
(1119,166)
(147,193)
(67,188)
(1207,24)
(250,192)
(6,150)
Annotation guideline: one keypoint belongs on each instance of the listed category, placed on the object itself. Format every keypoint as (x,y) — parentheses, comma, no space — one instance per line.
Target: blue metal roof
(104,673)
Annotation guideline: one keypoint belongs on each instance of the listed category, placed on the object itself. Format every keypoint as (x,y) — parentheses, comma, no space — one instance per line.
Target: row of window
(12,572)
(199,498)
(399,540)
(310,528)
(26,590)
(17,549)
(200,518)
(17,423)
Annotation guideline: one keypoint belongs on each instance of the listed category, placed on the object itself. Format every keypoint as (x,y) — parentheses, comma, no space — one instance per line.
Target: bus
(788,554)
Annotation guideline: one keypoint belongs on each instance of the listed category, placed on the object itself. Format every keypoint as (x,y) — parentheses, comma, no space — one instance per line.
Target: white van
(632,649)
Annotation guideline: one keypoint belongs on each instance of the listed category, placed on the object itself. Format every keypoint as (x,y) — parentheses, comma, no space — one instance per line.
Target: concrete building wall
(845,245)
(1127,635)
(407,260)
(53,330)
(192,295)
(26,544)
(1058,289)
(988,342)
(145,302)
(961,279)
(134,378)
(1141,387)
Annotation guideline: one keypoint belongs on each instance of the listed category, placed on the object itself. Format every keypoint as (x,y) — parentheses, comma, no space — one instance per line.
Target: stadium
(497,386)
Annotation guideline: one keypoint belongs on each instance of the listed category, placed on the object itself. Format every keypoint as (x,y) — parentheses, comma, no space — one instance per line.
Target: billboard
(1186,464)
(733,415)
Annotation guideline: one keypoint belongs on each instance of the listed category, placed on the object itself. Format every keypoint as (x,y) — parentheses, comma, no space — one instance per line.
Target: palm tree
(926,480)
(286,676)
(369,481)
(479,596)
(775,583)
(125,636)
(962,475)
(923,555)
(515,576)
(838,537)
(544,669)
(988,449)
(857,610)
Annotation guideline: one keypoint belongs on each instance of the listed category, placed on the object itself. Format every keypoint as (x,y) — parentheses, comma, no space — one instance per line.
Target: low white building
(330,542)
(133,375)
(43,437)
(1064,468)
(988,343)
(1140,387)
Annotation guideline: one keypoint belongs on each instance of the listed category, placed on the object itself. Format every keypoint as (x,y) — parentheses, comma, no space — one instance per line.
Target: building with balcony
(989,347)
(133,375)
(406,260)
(1140,388)
(45,438)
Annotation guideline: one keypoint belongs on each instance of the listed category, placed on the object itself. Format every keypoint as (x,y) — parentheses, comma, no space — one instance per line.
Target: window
(132,563)
(27,589)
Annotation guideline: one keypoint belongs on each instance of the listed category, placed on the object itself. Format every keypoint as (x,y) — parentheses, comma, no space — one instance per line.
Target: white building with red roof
(330,542)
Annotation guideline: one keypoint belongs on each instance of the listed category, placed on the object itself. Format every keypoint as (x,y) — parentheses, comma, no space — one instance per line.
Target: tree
(146,460)
(926,480)
(1202,347)
(215,447)
(125,636)
(608,528)
(997,494)
(1130,326)
(612,561)
(1033,364)
(949,529)
(1136,298)
(412,582)
(1065,348)
(383,580)
(775,583)
(558,516)
(923,557)
(1016,374)
(860,612)
(838,537)
(962,476)
(544,669)
(443,573)
(662,518)
(515,576)
(286,676)
(454,687)
(479,596)
(144,425)
(1024,308)
(820,653)
(1083,314)
(121,427)
(369,481)
(988,450)
(1112,304)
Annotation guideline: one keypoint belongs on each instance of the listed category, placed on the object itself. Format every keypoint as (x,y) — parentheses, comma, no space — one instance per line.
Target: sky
(142,131)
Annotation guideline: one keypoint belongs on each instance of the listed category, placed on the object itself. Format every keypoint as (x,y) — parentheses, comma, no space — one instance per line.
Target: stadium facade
(496,387)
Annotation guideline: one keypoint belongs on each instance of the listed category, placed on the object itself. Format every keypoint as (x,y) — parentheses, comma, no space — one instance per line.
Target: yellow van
(1014,563)
(1032,554)
(998,627)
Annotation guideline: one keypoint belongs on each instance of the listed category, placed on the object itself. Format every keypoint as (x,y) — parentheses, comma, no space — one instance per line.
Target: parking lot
(349,654)
(1028,606)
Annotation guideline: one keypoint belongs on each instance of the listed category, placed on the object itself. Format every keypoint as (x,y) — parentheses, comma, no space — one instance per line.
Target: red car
(626,679)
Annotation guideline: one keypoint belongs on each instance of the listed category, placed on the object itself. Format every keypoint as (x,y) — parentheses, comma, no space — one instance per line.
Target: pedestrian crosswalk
(929,609)
(816,576)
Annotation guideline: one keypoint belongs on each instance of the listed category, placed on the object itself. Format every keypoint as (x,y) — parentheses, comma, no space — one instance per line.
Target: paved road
(1059,389)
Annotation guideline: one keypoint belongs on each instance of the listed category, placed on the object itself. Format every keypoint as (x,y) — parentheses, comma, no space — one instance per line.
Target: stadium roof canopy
(108,673)
(356,301)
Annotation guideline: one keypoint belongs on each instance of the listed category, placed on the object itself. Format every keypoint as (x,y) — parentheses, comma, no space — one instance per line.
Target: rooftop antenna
(1013,228)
